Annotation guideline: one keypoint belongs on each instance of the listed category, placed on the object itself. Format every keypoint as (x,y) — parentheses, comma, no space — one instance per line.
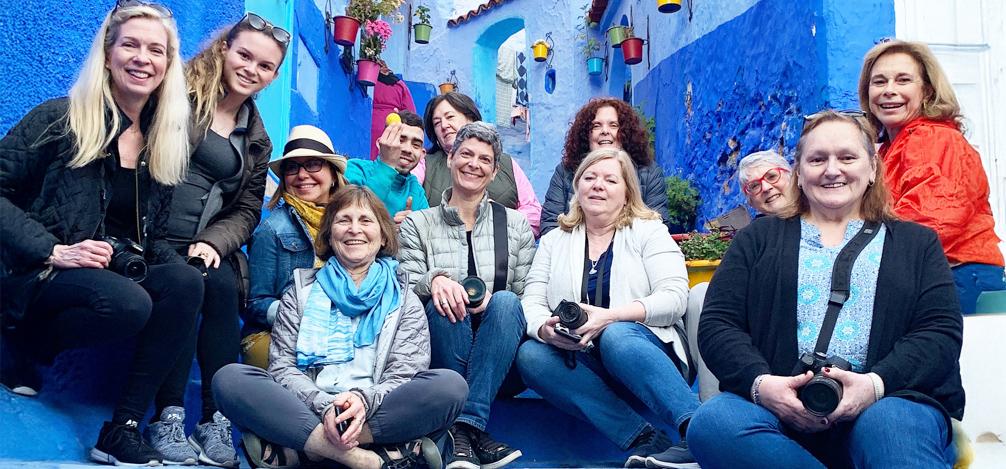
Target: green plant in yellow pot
(703,252)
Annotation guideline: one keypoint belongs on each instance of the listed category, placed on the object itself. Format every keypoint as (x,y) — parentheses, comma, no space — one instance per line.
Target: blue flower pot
(595,65)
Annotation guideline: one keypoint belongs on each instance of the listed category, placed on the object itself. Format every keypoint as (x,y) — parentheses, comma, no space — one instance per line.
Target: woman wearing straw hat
(309,172)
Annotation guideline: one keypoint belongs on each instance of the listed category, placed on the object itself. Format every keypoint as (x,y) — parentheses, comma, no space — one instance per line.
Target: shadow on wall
(484,59)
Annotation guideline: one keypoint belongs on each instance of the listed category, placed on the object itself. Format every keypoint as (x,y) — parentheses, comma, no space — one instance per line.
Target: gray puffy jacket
(403,347)
(434,243)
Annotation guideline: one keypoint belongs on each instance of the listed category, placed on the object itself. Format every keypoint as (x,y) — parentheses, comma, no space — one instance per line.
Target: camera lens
(571,315)
(821,395)
(476,290)
(199,263)
(133,267)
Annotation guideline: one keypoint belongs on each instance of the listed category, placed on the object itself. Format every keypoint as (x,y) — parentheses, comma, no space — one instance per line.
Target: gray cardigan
(434,243)
(403,347)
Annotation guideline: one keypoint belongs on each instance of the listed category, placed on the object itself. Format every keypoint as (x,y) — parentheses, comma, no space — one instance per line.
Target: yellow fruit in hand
(393,118)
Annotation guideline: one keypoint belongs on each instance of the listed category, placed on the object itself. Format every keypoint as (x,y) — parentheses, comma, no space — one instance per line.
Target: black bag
(18,291)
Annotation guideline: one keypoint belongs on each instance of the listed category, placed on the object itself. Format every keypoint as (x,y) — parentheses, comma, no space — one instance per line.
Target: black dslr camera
(571,317)
(821,395)
(199,263)
(127,258)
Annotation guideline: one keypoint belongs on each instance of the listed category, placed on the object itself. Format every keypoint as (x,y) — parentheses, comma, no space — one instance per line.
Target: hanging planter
(450,85)
(422,32)
(366,72)
(540,50)
(616,34)
(595,65)
(668,6)
(345,30)
(632,50)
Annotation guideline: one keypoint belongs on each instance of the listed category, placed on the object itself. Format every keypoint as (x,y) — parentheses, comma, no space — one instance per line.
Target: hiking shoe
(491,453)
(677,456)
(650,442)
(122,445)
(463,456)
(261,453)
(416,454)
(167,436)
(213,442)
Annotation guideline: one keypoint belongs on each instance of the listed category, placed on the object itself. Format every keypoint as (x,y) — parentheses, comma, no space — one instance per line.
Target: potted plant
(540,50)
(423,28)
(703,252)
(682,202)
(595,64)
(668,6)
(375,37)
(632,47)
(616,34)
(450,85)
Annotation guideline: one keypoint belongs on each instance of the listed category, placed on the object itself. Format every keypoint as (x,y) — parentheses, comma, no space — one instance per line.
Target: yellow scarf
(311,214)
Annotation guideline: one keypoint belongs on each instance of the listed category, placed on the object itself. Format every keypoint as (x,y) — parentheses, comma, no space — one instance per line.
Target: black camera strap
(500,246)
(841,277)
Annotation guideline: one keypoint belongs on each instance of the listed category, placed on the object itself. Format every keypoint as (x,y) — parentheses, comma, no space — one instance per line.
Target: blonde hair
(204,73)
(876,204)
(634,206)
(939,101)
(91,101)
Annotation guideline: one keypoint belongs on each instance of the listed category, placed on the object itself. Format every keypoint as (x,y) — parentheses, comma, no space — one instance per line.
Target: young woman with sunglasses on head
(213,213)
(96,164)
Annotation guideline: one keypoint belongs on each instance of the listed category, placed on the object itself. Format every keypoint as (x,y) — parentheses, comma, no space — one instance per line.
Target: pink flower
(379,28)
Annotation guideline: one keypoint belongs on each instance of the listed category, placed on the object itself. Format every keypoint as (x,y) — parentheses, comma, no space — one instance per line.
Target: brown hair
(337,181)
(634,206)
(939,102)
(347,196)
(631,133)
(460,102)
(876,200)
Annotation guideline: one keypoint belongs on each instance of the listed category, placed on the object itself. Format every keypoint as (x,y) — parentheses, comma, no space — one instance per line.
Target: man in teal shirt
(390,176)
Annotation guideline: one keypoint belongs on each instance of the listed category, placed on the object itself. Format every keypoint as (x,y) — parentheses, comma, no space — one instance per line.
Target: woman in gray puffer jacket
(348,378)
(467,260)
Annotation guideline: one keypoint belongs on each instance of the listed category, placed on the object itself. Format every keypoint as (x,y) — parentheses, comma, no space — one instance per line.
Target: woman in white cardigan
(615,260)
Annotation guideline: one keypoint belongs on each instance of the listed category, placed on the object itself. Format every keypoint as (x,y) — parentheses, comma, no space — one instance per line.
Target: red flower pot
(366,71)
(632,50)
(345,30)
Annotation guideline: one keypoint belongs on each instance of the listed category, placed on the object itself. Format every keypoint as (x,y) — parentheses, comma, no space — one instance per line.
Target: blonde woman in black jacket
(98,164)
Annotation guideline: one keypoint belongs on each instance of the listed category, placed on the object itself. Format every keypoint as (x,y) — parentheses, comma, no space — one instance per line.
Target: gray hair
(760,158)
(482,132)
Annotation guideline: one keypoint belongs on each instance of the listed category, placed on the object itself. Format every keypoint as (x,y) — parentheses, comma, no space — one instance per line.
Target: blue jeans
(628,358)
(483,356)
(730,431)
(973,279)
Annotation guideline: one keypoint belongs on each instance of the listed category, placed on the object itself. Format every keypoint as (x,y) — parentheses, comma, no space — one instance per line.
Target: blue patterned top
(852,331)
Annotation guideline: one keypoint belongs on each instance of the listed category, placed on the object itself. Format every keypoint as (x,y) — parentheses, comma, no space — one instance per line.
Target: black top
(472,269)
(215,161)
(749,323)
(125,209)
(600,271)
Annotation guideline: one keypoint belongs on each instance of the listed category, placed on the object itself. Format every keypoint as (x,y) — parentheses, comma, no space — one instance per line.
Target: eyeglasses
(771,176)
(258,23)
(163,10)
(291,167)
(854,113)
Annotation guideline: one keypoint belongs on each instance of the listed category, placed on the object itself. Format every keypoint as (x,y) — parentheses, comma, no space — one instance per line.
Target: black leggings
(84,307)
(217,342)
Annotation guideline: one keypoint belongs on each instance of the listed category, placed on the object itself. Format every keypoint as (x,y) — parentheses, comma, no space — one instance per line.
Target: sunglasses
(258,23)
(291,167)
(754,187)
(163,10)
(854,113)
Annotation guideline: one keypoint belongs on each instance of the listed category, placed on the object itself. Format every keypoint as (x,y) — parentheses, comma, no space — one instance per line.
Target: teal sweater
(392,187)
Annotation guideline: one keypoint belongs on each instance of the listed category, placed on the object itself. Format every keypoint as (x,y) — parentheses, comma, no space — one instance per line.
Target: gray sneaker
(167,435)
(213,442)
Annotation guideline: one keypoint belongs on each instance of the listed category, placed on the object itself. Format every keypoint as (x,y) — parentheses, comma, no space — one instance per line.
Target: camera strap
(841,277)
(500,246)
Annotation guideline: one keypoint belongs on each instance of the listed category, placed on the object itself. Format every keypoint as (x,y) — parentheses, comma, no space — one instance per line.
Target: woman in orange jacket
(934,174)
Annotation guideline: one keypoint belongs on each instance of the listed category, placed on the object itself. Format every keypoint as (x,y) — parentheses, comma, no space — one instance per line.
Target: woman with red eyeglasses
(764,179)
(935,175)
(213,213)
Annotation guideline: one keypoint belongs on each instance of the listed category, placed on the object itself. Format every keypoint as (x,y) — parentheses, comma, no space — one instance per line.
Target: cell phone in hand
(344,425)
(565,332)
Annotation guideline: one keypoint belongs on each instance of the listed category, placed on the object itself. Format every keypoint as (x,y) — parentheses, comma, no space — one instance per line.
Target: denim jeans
(484,356)
(730,431)
(972,279)
(628,357)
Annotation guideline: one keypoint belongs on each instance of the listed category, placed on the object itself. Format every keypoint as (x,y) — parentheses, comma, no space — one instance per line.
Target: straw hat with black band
(308,140)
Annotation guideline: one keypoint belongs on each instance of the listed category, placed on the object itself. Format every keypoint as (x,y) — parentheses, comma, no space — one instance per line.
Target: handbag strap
(500,246)
(841,277)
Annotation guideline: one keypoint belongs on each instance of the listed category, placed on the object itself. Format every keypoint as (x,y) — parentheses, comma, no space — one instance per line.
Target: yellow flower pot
(700,271)
(668,6)
(540,51)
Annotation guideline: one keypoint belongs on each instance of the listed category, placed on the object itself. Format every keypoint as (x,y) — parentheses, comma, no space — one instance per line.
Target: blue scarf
(326,328)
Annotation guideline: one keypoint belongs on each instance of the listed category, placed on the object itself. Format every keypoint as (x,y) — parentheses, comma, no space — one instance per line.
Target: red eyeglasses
(753,187)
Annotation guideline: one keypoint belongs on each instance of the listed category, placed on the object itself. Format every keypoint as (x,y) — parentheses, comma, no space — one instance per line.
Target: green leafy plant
(705,246)
(682,201)
(364,10)
(628,32)
(651,126)
(422,14)
(590,47)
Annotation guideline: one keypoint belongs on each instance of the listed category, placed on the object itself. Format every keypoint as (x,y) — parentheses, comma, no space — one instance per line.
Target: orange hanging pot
(446,88)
